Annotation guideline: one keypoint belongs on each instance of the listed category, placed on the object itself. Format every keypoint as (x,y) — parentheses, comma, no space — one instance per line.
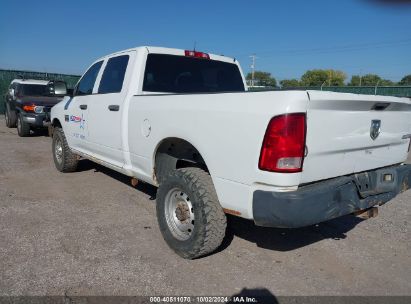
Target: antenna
(195,43)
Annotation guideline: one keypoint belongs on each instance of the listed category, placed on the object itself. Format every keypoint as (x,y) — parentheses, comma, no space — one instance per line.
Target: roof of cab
(31,81)
(169,51)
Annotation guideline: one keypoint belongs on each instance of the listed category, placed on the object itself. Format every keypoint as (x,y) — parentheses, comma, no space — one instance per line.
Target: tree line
(318,77)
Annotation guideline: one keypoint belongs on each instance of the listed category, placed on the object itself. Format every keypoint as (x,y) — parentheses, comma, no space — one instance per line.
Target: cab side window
(86,84)
(113,76)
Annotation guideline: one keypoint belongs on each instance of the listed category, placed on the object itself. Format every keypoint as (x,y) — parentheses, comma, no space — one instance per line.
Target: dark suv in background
(28,103)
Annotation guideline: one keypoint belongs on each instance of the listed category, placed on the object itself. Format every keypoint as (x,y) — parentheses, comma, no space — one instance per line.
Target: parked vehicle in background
(183,121)
(28,103)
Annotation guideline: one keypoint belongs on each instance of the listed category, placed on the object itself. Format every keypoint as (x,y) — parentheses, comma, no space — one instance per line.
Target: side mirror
(57,87)
(12,94)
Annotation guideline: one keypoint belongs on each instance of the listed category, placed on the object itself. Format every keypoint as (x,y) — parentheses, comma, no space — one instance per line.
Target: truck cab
(100,98)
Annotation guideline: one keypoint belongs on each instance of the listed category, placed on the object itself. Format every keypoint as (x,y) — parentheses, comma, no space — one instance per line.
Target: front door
(76,110)
(106,109)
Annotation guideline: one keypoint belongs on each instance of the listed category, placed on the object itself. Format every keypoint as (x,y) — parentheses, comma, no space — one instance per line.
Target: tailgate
(348,133)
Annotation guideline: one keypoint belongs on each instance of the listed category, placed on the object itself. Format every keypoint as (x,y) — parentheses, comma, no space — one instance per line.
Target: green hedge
(399,91)
(6,76)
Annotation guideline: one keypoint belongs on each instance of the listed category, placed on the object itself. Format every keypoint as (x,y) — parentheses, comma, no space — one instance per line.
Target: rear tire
(64,159)
(11,117)
(190,217)
(23,128)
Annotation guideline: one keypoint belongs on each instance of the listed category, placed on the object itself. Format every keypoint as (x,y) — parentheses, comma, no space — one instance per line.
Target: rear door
(349,133)
(76,114)
(107,107)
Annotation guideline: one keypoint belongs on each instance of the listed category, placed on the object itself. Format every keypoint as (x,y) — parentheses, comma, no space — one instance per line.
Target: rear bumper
(329,199)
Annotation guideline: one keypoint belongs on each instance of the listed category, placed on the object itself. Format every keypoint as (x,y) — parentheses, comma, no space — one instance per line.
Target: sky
(288,37)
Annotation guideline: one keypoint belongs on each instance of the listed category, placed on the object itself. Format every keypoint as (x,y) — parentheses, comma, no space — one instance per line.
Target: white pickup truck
(184,121)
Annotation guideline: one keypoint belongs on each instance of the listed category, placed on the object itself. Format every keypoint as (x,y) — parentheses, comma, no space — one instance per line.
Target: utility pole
(360,77)
(253,58)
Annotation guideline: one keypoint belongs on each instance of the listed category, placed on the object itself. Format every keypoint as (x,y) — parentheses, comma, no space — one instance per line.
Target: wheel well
(56,123)
(175,153)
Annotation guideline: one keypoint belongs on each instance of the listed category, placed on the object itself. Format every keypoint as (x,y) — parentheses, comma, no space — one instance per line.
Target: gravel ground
(92,233)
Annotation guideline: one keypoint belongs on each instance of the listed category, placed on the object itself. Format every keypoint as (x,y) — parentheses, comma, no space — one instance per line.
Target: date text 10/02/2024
(203,299)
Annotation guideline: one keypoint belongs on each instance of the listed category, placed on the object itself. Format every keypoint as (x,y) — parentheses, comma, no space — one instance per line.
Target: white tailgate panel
(338,134)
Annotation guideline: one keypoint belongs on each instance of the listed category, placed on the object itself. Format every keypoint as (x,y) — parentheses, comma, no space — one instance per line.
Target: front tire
(64,159)
(23,128)
(190,217)
(11,117)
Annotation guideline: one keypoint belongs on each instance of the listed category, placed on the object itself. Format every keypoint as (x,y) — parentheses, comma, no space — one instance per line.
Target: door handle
(114,107)
(83,107)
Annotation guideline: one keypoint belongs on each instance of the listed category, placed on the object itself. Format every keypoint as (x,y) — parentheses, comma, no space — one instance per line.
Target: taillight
(284,144)
(196,54)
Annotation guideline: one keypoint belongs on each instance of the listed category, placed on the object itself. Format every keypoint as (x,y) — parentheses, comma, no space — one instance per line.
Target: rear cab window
(113,75)
(178,74)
